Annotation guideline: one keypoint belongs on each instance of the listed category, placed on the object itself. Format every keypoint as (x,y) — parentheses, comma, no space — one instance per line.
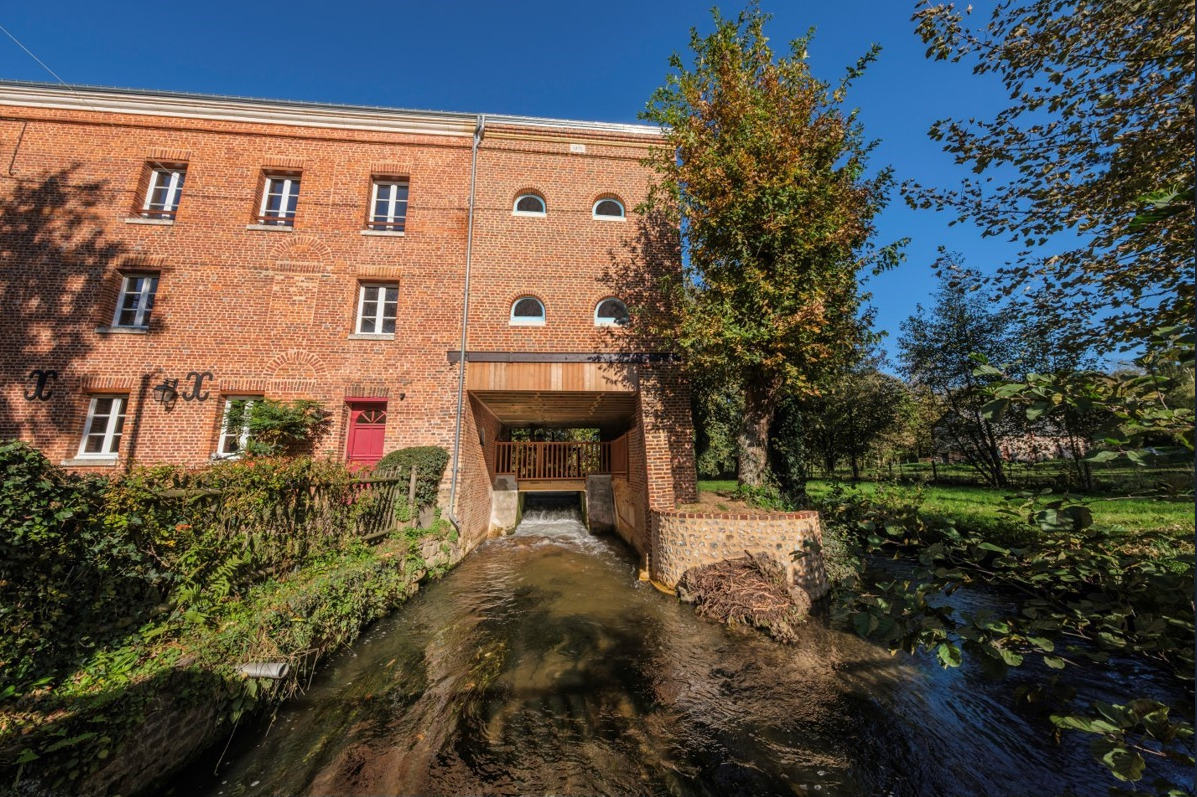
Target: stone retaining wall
(684,539)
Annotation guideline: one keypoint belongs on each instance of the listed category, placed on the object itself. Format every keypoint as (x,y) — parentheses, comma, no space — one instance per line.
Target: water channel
(542,666)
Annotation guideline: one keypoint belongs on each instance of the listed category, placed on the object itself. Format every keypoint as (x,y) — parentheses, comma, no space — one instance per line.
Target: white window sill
(372,336)
(384,233)
(225,457)
(271,227)
(609,218)
(89,462)
(527,214)
(123,330)
(515,323)
(158,222)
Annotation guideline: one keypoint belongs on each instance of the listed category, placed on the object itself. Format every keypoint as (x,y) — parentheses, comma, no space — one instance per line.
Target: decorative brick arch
(302,249)
(296,364)
(596,198)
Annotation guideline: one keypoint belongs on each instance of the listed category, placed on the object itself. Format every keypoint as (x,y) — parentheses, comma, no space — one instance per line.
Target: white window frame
(143,303)
(603,321)
(241,435)
(538,214)
(175,177)
(291,183)
(391,221)
(623,211)
(110,448)
(527,321)
(379,305)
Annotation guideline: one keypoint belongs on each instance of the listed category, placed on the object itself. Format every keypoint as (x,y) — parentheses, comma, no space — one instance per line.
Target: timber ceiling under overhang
(611,410)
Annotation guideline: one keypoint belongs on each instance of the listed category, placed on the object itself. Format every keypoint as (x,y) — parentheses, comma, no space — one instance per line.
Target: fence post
(411,498)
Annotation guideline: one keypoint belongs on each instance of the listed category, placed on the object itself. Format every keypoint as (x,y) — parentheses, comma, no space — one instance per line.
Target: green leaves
(1125,732)
(765,171)
(1072,584)
(949,655)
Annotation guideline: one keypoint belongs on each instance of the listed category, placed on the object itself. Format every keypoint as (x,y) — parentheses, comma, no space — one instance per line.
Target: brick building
(233,249)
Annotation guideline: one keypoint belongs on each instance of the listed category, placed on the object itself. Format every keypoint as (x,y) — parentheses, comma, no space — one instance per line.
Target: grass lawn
(979,507)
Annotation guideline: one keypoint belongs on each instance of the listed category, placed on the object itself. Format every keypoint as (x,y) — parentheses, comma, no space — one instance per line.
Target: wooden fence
(560,461)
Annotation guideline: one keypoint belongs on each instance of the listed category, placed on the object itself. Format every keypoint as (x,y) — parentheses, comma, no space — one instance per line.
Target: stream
(540,665)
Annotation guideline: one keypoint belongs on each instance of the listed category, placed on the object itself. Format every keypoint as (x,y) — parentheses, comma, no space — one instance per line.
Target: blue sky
(594,62)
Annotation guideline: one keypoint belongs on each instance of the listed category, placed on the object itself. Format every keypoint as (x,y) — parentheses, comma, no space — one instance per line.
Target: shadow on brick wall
(56,271)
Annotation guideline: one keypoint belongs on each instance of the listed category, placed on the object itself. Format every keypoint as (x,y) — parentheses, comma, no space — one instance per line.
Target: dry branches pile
(751,590)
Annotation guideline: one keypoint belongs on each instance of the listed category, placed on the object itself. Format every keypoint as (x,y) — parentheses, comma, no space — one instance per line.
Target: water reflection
(540,665)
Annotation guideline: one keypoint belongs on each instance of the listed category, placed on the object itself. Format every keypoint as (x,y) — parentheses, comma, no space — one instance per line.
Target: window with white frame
(527,311)
(234,426)
(376,306)
(610,313)
(609,209)
(136,301)
(103,428)
(280,196)
(164,191)
(388,205)
(529,205)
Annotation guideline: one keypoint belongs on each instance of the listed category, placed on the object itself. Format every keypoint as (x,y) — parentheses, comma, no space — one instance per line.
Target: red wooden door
(367,428)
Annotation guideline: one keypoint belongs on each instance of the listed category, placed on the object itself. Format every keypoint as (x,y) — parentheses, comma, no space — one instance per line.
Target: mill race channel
(541,665)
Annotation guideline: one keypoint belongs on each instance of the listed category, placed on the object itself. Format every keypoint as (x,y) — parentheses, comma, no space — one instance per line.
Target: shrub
(430,462)
(279,427)
(85,561)
(67,580)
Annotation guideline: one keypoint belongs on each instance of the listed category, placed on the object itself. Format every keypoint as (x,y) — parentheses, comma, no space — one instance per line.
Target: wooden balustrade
(560,461)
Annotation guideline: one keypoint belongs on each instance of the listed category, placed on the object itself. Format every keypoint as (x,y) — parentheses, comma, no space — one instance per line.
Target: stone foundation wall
(682,540)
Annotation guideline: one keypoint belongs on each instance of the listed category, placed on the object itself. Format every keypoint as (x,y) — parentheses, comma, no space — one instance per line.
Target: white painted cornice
(281,112)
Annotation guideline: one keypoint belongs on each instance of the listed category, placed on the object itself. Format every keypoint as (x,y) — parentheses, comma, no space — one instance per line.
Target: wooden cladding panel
(564,408)
(575,377)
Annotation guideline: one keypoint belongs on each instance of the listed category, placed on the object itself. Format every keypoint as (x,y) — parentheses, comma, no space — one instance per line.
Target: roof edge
(300,113)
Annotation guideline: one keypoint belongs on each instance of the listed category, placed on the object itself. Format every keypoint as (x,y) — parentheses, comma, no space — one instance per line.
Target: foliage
(763,170)
(717,410)
(937,350)
(64,581)
(849,414)
(1080,597)
(86,562)
(429,461)
(298,617)
(1134,405)
(1090,167)
(552,434)
(279,427)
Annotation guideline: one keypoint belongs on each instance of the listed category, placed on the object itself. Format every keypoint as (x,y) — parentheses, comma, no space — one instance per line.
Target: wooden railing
(560,461)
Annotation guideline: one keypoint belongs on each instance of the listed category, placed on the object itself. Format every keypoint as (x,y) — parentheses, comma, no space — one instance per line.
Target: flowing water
(542,666)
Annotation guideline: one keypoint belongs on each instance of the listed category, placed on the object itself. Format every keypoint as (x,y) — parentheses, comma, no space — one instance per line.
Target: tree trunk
(855,469)
(934,470)
(754,437)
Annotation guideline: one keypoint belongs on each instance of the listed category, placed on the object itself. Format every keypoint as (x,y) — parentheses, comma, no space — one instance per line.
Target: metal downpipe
(479,130)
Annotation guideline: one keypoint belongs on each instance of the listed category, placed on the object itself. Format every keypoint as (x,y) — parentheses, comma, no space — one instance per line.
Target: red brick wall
(269,312)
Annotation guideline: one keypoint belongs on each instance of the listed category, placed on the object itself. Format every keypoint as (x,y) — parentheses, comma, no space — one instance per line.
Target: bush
(430,462)
(279,427)
(85,561)
(68,581)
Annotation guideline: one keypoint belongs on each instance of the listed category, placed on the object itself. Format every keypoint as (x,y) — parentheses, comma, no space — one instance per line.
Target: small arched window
(609,209)
(527,311)
(611,313)
(529,205)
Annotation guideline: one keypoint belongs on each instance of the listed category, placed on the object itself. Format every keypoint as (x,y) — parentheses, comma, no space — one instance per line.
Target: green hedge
(85,561)
(66,580)
(430,462)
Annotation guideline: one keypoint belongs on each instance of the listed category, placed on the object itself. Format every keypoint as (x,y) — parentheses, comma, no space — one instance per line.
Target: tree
(850,413)
(763,170)
(1091,165)
(937,352)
